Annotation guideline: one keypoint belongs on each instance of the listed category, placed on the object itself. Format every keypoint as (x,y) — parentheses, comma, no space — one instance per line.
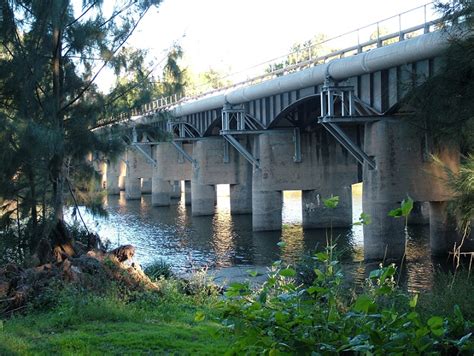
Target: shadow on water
(223,240)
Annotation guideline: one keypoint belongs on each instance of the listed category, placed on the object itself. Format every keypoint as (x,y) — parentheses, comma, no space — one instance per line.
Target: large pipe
(422,47)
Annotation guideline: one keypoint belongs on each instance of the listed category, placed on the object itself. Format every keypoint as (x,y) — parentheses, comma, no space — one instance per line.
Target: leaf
(288,272)
(435,322)
(281,244)
(436,325)
(407,206)
(395,213)
(458,313)
(364,304)
(273,352)
(322,256)
(200,316)
(405,209)
(366,219)
(332,202)
(414,301)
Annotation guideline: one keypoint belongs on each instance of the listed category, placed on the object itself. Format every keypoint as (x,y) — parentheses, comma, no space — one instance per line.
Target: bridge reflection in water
(223,240)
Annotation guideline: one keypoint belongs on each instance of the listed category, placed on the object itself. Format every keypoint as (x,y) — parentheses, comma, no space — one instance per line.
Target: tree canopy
(52,53)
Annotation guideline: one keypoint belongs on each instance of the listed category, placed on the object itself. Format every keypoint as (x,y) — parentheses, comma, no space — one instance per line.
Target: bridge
(319,126)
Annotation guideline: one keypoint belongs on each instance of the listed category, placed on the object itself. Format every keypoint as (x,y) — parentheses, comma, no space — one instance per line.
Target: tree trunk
(57,162)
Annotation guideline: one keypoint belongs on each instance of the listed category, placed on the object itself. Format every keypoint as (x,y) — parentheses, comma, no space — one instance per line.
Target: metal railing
(378,34)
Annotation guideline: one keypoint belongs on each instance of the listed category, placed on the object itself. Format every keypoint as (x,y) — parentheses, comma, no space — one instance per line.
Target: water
(223,240)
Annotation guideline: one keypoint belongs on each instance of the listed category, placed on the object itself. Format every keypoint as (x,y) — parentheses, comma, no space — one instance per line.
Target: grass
(93,325)
(449,290)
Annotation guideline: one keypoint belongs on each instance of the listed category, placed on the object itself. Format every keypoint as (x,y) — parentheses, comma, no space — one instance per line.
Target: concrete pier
(170,169)
(316,215)
(266,212)
(403,169)
(203,199)
(139,170)
(161,192)
(325,169)
(113,175)
(133,188)
(211,169)
(187,192)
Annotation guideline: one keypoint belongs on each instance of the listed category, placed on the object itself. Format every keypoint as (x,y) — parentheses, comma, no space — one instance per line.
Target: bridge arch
(300,113)
(183,129)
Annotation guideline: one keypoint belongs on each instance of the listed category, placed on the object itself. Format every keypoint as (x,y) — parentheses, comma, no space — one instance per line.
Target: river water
(223,240)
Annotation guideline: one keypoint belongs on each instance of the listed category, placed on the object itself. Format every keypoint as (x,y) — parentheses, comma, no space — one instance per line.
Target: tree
(52,53)
(303,51)
(445,101)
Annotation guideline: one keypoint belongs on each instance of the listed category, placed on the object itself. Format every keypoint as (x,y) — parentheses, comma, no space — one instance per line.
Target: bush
(158,269)
(283,316)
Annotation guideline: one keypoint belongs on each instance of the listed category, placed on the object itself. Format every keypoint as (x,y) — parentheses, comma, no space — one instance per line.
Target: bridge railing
(408,24)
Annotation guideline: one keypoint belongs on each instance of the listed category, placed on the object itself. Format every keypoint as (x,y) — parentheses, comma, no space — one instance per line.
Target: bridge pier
(403,169)
(115,176)
(212,168)
(161,192)
(170,167)
(316,215)
(325,169)
(175,189)
(138,175)
(187,192)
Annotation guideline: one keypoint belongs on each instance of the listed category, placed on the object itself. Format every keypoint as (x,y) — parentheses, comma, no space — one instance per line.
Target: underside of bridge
(319,139)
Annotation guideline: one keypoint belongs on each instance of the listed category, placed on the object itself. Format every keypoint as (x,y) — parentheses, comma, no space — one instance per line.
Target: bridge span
(318,128)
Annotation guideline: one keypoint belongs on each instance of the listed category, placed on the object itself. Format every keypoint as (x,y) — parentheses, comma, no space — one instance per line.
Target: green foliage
(52,53)
(159,269)
(84,324)
(406,206)
(462,185)
(444,103)
(364,219)
(283,316)
(331,202)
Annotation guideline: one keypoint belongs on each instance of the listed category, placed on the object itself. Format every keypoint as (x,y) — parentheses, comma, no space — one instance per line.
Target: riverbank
(195,317)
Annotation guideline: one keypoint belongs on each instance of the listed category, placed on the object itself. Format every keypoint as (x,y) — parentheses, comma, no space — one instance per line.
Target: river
(223,240)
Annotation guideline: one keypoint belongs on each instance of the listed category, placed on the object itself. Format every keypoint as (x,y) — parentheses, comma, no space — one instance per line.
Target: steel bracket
(339,104)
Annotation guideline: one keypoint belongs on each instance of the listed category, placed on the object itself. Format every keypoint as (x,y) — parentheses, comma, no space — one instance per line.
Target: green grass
(93,325)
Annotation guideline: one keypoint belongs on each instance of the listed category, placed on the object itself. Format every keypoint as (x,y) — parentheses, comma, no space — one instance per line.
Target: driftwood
(123,253)
(90,270)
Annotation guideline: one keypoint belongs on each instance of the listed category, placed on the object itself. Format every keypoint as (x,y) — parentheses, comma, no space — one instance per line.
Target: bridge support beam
(115,175)
(176,189)
(325,169)
(266,210)
(211,169)
(403,169)
(316,215)
(133,188)
(443,233)
(139,173)
(169,171)
(146,185)
(187,192)
(203,199)
(161,192)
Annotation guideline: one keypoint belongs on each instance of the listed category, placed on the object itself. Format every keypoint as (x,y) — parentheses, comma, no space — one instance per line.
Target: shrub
(159,269)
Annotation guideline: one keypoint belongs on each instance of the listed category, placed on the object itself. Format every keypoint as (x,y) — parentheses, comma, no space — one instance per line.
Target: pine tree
(52,52)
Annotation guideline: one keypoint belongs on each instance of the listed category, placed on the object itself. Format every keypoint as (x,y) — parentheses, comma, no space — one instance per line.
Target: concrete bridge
(318,127)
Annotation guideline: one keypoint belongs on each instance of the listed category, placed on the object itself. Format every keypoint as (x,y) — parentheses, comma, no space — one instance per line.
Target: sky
(229,35)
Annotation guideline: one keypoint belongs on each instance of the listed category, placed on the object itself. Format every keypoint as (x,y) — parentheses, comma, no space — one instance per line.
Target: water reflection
(171,234)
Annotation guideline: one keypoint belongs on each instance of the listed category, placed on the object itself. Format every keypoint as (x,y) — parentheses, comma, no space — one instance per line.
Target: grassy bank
(167,322)
(284,316)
